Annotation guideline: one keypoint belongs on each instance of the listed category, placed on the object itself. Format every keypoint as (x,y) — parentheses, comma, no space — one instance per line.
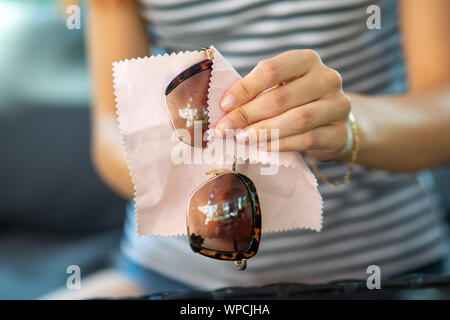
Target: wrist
(365,127)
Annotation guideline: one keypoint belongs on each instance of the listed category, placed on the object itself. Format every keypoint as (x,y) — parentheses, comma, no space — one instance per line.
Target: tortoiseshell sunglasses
(223,214)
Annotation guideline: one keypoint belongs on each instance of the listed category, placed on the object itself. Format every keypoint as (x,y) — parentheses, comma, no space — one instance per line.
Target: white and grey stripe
(389,220)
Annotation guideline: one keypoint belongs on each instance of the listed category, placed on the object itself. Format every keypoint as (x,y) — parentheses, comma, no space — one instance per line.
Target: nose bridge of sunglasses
(215,172)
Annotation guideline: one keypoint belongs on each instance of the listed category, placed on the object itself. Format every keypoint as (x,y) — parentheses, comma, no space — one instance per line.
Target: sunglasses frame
(256,227)
(188,73)
(183,76)
(239,257)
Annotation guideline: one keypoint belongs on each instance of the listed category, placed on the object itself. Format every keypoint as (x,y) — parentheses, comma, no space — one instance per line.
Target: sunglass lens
(187,107)
(220,215)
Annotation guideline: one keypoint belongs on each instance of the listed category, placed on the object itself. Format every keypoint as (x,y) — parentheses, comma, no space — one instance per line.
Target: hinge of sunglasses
(208,53)
(241,264)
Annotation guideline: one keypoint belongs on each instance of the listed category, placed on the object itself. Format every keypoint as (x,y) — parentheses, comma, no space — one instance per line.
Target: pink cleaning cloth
(289,199)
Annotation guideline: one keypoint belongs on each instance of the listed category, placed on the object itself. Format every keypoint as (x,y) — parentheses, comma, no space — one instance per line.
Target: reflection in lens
(220,215)
(187,103)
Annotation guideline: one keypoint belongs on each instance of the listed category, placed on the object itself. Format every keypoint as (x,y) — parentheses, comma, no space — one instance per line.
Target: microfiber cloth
(288,195)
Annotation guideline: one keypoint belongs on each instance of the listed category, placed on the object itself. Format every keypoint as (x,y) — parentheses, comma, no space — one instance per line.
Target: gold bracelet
(355,145)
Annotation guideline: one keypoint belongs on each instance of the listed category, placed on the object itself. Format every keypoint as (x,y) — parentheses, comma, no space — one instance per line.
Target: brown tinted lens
(220,215)
(186,104)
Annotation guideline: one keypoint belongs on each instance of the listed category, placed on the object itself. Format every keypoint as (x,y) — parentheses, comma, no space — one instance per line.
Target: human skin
(398,133)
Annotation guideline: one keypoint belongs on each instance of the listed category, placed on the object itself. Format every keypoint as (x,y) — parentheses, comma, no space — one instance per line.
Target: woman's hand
(306,103)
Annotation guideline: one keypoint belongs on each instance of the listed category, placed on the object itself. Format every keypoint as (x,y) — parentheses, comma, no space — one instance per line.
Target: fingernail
(222,126)
(242,136)
(228,102)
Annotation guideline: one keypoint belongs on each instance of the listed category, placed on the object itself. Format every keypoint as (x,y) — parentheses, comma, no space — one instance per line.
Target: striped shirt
(393,221)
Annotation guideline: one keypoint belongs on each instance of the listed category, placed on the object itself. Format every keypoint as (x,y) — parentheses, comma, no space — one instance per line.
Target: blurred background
(54,210)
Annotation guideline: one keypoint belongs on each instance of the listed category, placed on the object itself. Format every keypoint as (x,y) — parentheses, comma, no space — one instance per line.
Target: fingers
(296,94)
(301,119)
(267,74)
(331,138)
(274,102)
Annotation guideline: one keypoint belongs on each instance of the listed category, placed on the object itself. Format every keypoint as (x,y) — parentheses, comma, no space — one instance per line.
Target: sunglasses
(223,214)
